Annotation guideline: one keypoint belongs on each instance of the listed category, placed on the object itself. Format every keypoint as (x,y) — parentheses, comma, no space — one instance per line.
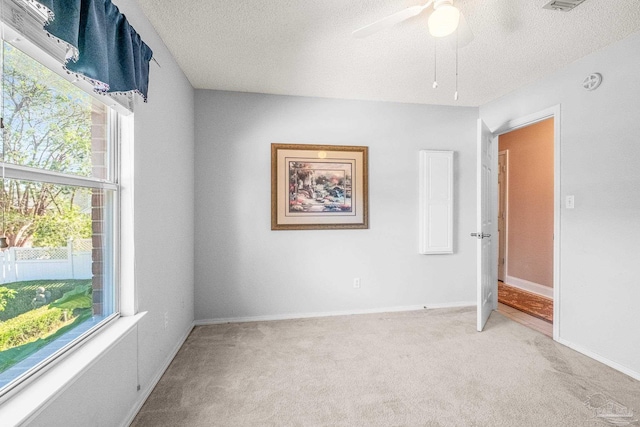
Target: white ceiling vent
(562,5)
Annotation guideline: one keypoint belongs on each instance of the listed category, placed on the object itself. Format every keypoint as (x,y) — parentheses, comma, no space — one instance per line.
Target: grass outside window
(27,325)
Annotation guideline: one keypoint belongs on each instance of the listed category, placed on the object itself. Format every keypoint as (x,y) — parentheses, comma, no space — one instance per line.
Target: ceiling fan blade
(390,20)
(464,36)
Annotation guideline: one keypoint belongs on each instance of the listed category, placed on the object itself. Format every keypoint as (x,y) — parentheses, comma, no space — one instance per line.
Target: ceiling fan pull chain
(455,95)
(435,63)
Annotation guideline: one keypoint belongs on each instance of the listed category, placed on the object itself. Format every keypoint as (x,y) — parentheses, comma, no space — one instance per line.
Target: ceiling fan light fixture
(444,20)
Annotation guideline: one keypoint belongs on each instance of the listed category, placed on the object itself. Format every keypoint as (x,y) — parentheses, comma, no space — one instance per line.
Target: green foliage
(47,126)
(47,119)
(31,330)
(10,357)
(26,291)
(78,298)
(5,295)
(29,326)
(54,228)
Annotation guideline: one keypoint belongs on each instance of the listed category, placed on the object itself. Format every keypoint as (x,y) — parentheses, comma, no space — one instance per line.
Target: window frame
(114,137)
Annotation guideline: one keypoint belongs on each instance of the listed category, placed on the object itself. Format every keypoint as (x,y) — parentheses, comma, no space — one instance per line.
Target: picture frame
(315,187)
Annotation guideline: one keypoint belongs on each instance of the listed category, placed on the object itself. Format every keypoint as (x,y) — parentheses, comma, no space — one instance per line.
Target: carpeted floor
(528,302)
(423,368)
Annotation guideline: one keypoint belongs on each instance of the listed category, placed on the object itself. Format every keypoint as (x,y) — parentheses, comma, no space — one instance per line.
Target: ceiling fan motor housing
(439,3)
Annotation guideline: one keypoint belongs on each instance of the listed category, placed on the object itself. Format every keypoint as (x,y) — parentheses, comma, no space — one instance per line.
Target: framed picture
(319,187)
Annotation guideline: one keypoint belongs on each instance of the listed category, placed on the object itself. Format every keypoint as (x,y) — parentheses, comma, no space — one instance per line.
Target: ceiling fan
(444,20)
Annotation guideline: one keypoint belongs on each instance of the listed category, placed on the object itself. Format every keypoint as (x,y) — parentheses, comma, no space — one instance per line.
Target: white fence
(70,262)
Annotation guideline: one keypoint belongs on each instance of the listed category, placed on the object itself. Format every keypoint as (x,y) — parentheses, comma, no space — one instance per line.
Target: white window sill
(31,397)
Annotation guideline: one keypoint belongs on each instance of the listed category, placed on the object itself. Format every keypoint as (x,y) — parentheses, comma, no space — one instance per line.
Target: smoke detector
(562,5)
(592,81)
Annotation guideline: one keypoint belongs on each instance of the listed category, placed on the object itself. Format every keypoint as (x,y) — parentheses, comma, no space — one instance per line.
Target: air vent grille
(562,5)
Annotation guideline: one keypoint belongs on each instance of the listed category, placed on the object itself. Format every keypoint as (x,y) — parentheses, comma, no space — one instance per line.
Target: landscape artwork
(318,187)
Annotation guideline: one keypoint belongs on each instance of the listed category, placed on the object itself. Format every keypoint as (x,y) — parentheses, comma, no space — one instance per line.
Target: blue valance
(105,49)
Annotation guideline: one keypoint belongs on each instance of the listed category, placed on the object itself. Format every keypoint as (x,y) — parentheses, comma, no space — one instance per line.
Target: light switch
(570,203)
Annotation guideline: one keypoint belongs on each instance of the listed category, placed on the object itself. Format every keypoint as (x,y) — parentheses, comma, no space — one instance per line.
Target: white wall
(243,269)
(163,185)
(600,156)
(102,396)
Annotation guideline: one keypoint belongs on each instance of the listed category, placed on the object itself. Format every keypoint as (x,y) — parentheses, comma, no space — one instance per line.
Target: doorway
(526,212)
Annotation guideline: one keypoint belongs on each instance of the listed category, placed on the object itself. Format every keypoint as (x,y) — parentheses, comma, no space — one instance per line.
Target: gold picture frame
(315,187)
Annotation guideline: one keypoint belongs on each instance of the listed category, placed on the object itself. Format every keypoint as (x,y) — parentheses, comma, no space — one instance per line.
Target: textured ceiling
(305,47)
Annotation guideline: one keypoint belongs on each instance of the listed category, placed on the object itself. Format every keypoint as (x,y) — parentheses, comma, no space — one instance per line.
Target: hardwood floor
(533,304)
(529,309)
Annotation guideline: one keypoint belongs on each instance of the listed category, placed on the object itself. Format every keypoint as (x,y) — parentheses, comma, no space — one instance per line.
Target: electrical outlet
(166,319)
(356,283)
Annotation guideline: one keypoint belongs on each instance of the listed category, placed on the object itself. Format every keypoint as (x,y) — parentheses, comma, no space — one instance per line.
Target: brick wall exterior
(99,170)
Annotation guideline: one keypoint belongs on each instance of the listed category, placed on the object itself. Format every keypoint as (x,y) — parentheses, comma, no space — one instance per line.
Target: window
(58,213)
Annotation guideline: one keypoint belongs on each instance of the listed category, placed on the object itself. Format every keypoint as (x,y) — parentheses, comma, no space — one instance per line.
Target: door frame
(530,119)
(504,153)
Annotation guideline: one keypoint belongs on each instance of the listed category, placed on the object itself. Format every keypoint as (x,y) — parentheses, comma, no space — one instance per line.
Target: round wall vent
(592,81)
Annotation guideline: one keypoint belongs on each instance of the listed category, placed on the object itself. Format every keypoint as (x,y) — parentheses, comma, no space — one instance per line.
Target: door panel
(486,224)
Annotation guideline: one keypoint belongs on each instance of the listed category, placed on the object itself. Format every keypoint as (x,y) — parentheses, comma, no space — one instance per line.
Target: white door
(486,230)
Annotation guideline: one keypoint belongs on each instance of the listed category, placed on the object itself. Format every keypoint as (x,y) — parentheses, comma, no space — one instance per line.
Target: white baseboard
(528,286)
(329,313)
(452,305)
(154,381)
(618,367)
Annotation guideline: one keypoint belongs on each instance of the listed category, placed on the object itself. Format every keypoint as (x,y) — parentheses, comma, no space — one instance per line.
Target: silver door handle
(480,235)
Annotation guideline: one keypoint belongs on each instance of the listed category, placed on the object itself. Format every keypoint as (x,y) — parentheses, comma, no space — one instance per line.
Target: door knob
(480,235)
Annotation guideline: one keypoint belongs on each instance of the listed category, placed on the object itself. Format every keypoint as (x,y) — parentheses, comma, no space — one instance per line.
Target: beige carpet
(424,368)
